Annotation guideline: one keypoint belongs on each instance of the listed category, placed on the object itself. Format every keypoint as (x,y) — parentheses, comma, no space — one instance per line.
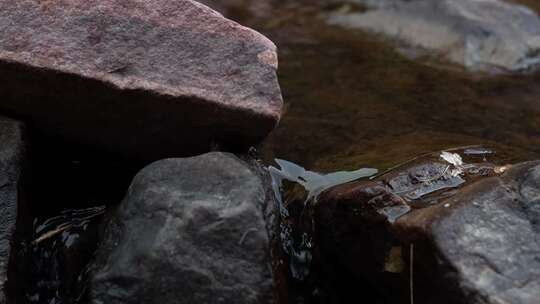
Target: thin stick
(411,263)
(52,233)
(243,238)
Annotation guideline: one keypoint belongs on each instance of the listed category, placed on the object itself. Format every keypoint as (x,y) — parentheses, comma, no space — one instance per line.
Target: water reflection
(354,101)
(63,245)
(418,183)
(66,221)
(314,183)
(296,218)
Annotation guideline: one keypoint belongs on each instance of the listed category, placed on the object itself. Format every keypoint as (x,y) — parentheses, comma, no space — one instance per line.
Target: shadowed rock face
(11,162)
(477,242)
(189,231)
(494,36)
(148,79)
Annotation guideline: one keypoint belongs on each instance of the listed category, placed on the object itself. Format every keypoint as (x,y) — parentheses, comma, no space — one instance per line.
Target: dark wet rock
(12,157)
(481,35)
(60,236)
(190,230)
(148,79)
(477,242)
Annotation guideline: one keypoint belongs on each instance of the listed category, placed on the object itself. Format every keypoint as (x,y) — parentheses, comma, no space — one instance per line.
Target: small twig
(52,233)
(411,278)
(242,239)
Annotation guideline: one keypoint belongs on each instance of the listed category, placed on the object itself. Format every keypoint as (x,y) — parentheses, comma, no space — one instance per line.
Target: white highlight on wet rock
(453,158)
(315,183)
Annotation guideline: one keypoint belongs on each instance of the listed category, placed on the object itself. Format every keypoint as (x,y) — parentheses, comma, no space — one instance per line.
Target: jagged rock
(148,79)
(476,242)
(190,230)
(482,35)
(12,150)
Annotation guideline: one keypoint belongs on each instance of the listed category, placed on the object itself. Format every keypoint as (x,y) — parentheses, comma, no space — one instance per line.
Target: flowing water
(421,182)
(353,101)
(59,252)
(70,188)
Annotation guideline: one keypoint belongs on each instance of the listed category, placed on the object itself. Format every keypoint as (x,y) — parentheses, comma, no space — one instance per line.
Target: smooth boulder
(494,36)
(475,242)
(190,230)
(12,158)
(147,79)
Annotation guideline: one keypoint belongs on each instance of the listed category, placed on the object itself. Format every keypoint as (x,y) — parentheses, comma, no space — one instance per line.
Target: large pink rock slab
(148,79)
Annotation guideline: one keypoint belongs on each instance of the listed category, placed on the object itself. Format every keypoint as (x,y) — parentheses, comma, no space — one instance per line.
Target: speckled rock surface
(476,244)
(190,230)
(11,161)
(149,79)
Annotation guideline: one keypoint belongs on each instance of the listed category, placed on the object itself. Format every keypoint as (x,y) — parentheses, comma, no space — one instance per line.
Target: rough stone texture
(11,162)
(481,35)
(494,241)
(189,231)
(480,244)
(149,79)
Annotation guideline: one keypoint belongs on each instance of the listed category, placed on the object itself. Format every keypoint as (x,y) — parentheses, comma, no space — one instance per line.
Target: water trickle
(315,183)
(437,176)
(67,220)
(297,224)
(61,248)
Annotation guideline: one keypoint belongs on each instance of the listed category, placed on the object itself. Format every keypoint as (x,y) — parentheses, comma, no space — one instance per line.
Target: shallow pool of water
(353,101)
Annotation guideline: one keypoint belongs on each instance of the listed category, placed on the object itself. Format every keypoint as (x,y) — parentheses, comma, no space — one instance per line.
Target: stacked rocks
(146,80)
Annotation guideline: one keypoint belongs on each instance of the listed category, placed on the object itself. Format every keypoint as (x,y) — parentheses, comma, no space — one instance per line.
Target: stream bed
(352,101)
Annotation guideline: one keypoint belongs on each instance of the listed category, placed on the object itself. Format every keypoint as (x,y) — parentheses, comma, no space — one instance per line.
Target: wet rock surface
(58,255)
(189,231)
(495,36)
(58,231)
(353,101)
(12,162)
(138,78)
(473,242)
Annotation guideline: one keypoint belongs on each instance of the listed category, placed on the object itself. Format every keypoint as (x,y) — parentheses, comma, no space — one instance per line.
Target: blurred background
(376,82)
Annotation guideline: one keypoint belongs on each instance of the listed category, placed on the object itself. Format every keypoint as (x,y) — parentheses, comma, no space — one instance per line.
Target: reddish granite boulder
(149,79)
